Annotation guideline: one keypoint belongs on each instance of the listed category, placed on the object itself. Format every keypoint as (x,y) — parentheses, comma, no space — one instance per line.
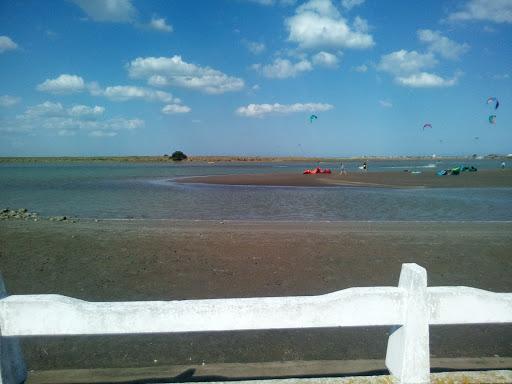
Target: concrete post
(12,366)
(408,352)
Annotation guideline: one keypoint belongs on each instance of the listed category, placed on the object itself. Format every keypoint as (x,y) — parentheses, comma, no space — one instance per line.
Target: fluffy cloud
(497,11)
(171,109)
(260,110)
(50,109)
(160,24)
(108,10)
(408,69)
(442,45)
(84,110)
(45,109)
(54,117)
(63,84)
(325,59)
(385,103)
(349,4)
(173,71)
(318,24)
(404,62)
(425,80)
(6,44)
(8,101)
(283,68)
(72,83)
(130,92)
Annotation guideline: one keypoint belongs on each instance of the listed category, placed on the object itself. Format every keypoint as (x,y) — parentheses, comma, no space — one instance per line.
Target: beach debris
(427,125)
(493,100)
(316,171)
(312,117)
(492,119)
(58,218)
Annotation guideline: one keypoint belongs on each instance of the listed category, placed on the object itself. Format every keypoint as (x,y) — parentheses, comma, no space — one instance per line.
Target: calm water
(116,190)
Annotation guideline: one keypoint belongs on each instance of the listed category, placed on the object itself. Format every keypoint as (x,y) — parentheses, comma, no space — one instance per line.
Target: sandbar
(429,179)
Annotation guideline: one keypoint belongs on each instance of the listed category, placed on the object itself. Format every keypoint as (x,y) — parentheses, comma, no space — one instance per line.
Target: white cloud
(321,7)
(273,2)
(255,47)
(408,69)
(360,25)
(119,124)
(425,80)
(160,24)
(361,68)
(173,71)
(318,24)
(404,62)
(325,59)
(171,109)
(47,108)
(6,44)
(349,4)
(56,119)
(98,133)
(84,110)
(442,45)
(130,92)
(9,101)
(260,110)
(63,84)
(72,83)
(386,103)
(51,109)
(498,11)
(108,10)
(283,68)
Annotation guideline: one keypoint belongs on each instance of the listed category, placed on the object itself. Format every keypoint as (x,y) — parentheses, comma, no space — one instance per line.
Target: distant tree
(178,156)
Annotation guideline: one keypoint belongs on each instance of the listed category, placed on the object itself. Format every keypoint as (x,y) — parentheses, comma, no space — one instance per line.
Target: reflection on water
(145,191)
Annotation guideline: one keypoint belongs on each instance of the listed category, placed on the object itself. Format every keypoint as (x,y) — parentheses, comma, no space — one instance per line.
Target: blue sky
(229,77)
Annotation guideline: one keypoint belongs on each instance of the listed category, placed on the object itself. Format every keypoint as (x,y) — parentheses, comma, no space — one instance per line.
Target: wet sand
(163,260)
(429,179)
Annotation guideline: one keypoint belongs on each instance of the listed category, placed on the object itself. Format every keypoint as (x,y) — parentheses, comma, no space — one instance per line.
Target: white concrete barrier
(410,308)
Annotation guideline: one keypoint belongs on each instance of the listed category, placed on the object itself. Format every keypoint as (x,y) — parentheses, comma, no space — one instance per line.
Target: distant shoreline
(228,159)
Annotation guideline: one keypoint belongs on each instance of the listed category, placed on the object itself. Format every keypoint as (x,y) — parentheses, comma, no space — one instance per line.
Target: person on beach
(342,169)
(365,166)
(502,165)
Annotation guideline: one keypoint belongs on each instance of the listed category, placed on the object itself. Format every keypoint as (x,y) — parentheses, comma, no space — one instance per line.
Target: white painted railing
(411,308)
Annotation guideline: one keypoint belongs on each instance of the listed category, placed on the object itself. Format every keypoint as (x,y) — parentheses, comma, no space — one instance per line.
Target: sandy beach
(485,178)
(163,259)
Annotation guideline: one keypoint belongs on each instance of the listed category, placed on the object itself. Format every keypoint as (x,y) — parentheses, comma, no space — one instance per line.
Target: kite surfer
(342,169)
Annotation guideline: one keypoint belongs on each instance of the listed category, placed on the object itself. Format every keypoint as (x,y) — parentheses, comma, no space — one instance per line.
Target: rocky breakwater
(24,214)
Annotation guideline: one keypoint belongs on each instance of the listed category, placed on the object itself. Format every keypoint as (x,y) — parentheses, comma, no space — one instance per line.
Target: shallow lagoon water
(146,190)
